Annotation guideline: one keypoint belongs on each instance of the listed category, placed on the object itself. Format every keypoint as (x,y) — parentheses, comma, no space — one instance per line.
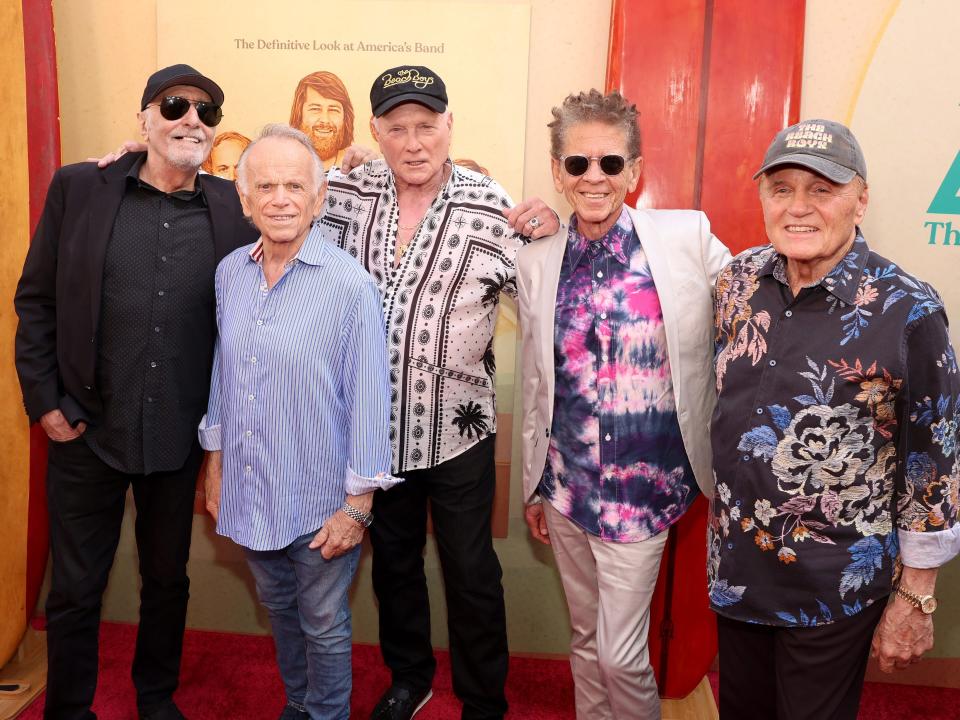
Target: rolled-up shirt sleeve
(927,488)
(366,395)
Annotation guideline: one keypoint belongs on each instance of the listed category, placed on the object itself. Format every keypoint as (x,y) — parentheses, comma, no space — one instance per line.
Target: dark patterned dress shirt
(616,465)
(834,438)
(157,329)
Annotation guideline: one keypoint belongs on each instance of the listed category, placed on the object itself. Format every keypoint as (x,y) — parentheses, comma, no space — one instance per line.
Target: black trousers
(810,673)
(85,499)
(460,493)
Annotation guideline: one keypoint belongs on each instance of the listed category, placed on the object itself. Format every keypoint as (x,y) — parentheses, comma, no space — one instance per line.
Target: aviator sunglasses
(174,107)
(577,165)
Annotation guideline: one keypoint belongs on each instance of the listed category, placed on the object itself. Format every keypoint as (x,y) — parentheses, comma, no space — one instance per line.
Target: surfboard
(714,80)
(30,146)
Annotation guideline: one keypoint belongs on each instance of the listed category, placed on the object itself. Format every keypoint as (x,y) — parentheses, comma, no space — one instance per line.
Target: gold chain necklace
(403,247)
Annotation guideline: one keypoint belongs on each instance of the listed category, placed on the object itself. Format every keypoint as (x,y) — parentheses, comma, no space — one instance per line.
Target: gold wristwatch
(926,604)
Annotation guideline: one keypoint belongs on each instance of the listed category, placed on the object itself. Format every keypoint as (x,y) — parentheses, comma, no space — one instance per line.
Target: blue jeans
(306,598)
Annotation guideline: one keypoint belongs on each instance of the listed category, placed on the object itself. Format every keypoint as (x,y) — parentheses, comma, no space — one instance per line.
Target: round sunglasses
(173,107)
(577,165)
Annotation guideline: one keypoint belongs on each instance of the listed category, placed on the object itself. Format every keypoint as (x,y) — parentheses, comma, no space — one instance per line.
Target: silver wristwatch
(926,604)
(358,516)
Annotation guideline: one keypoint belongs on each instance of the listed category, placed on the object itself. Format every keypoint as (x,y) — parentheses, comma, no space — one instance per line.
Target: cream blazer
(685,258)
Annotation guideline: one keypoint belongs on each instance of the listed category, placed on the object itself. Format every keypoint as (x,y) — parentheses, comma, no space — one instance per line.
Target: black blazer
(58,296)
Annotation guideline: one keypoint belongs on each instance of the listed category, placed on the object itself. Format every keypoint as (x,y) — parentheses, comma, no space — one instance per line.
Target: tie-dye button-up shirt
(834,438)
(616,465)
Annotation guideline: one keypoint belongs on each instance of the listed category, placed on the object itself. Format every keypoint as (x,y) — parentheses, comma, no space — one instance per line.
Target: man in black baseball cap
(114,351)
(443,229)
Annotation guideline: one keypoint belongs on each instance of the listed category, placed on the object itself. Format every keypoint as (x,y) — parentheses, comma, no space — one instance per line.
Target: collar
(842,281)
(618,240)
(134,181)
(312,252)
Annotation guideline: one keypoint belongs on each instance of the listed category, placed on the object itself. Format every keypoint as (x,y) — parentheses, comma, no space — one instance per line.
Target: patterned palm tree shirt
(439,304)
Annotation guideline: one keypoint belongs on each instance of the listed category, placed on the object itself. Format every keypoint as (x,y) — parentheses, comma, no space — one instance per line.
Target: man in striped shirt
(298,419)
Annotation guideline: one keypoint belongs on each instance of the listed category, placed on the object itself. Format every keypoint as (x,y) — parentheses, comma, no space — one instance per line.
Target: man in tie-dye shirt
(617,372)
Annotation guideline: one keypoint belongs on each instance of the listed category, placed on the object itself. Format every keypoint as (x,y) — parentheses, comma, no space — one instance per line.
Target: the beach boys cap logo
(407,83)
(824,146)
(407,75)
(813,135)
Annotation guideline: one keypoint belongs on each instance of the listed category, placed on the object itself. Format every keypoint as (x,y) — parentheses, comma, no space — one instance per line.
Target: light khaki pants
(608,587)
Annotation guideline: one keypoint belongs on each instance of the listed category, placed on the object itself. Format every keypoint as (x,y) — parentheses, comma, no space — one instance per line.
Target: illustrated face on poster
(322,109)
(223,159)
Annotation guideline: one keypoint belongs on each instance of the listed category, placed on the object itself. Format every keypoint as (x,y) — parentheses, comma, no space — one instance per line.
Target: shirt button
(759,411)
(600,273)
(263,286)
(773,363)
(163,258)
(259,322)
(166,225)
(160,293)
(603,316)
(157,329)
(250,397)
(607,437)
(605,358)
(248,468)
(789,313)
(729,546)
(248,433)
(149,399)
(746,458)
(153,363)
(253,359)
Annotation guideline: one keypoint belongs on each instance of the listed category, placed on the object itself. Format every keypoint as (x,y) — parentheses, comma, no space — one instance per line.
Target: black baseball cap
(407,83)
(824,146)
(179,75)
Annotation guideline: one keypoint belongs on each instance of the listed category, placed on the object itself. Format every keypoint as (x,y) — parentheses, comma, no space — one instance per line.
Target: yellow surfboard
(30,148)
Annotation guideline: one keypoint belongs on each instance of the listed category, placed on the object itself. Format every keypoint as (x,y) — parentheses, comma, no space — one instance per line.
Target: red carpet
(233,677)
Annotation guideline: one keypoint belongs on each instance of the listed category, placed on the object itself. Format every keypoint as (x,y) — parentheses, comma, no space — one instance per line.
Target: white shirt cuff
(209,436)
(360,485)
(923,550)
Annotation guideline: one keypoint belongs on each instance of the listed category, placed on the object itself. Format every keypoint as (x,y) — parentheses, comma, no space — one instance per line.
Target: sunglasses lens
(174,108)
(576,165)
(612,164)
(209,114)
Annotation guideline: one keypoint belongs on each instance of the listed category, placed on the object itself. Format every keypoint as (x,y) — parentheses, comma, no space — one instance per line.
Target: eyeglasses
(577,165)
(173,107)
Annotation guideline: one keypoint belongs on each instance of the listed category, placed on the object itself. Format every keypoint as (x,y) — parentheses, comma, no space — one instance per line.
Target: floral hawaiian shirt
(834,438)
(616,465)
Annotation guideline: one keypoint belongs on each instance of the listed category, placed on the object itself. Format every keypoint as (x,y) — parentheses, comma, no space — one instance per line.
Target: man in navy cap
(114,351)
(440,241)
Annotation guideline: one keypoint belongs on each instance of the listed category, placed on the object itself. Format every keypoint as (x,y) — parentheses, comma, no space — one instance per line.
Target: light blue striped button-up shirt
(300,394)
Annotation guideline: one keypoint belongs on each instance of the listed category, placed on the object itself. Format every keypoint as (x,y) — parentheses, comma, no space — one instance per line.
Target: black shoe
(400,703)
(167,711)
(292,713)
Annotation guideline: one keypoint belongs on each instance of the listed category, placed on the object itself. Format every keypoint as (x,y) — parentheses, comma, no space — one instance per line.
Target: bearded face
(322,121)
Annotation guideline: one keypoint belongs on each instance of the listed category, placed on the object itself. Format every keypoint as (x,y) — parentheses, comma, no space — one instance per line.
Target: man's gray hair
(593,106)
(280,130)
